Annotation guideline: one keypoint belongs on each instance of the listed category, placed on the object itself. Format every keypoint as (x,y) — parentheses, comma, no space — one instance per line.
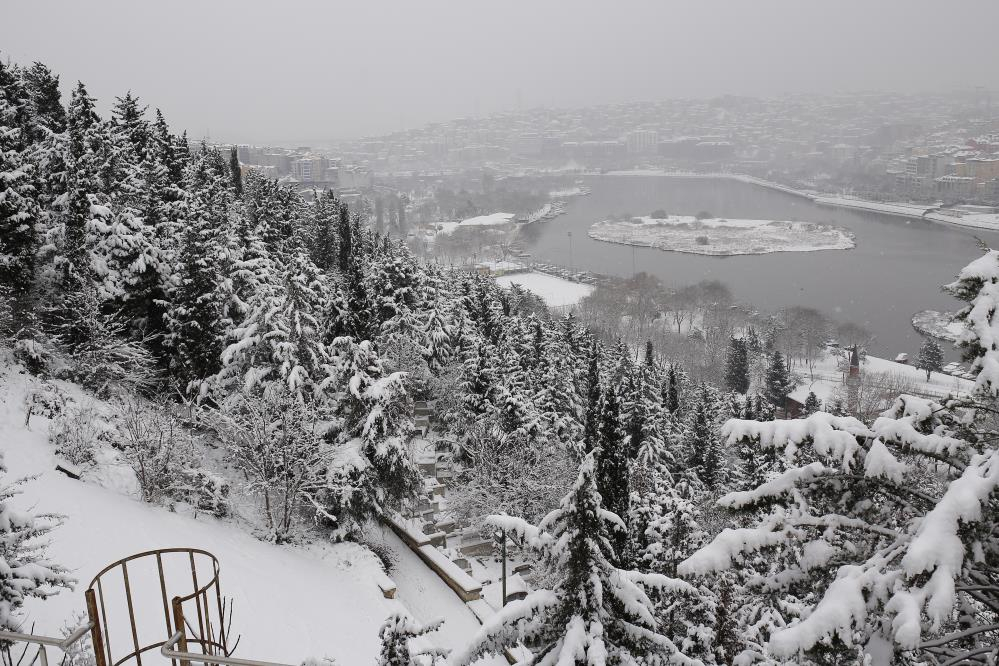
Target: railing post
(96,636)
(178,624)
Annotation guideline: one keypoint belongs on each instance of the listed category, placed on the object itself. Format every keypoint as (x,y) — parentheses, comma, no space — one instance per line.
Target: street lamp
(569,234)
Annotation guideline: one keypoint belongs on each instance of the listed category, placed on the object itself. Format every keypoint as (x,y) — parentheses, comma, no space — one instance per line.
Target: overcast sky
(296,71)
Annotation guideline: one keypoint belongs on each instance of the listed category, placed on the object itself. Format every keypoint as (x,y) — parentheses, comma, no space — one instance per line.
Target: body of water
(896,269)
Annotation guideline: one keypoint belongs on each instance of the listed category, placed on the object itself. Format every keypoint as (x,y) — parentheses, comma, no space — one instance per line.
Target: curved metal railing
(190,597)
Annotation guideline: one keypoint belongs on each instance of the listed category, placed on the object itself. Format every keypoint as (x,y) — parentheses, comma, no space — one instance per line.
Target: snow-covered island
(722,237)
(937,325)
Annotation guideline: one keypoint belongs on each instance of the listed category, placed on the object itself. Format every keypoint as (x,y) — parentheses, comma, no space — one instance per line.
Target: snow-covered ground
(290,602)
(555,291)
(829,375)
(492,220)
(937,324)
(988,221)
(889,208)
(716,236)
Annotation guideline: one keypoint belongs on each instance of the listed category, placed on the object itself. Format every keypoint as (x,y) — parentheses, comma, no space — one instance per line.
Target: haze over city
(293,72)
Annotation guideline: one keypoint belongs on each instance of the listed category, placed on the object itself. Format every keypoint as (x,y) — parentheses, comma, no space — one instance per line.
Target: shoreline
(929,212)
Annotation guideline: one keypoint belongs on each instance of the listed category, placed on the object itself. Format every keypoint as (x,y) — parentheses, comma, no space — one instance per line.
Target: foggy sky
(309,71)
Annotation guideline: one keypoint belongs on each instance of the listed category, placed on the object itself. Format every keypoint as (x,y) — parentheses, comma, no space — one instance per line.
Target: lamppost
(571,270)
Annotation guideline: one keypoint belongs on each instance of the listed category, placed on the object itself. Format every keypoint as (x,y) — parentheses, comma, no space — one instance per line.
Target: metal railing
(196,620)
(48,641)
(185,658)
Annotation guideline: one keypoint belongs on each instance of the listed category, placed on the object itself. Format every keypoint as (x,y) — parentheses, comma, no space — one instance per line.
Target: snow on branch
(832,436)
(781,485)
(720,554)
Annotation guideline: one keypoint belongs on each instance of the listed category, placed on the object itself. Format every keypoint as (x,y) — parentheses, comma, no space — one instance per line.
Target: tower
(853,381)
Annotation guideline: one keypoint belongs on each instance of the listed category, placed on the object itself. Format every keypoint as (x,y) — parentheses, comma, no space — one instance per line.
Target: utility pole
(570,252)
(503,551)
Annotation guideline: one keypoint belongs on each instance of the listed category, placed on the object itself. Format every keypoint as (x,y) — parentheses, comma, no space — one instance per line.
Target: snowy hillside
(290,602)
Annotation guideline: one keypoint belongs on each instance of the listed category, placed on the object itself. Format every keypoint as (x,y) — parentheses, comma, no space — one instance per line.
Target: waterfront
(895,270)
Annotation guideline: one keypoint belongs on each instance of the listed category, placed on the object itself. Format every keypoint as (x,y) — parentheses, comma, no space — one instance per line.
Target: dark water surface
(895,270)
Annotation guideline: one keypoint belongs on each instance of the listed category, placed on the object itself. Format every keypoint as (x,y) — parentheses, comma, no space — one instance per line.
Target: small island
(703,234)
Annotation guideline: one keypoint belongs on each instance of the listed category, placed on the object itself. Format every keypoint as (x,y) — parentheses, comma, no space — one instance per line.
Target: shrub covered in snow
(399,635)
(156,446)
(77,430)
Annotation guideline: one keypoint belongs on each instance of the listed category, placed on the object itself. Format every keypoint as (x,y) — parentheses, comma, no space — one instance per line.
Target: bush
(702,240)
(46,400)
(207,491)
(704,215)
(77,430)
(659,214)
(156,446)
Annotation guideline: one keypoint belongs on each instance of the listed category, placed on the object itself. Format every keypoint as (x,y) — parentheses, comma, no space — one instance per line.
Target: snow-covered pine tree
(280,339)
(25,573)
(19,210)
(671,391)
(701,435)
(894,521)
(438,334)
(931,357)
(398,634)
(591,415)
(373,470)
(48,114)
(812,403)
(778,381)
(613,469)
(236,171)
(737,366)
(196,314)
(596,614)
(670,532)
(67,241)
(323,237)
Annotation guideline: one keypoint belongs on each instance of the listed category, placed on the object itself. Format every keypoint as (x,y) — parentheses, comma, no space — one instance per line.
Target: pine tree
(378,471)
(129,116)
(591,417)
(703,459)
(48,113)
(237,173)
(323,246)
(612,461)
(86,143)
(931,357)
(345,239)
(812,403)
(671,532)
(778,381)
(595,614)
(737,366)
(196,316)
(280,339)
(19,214)
(671,397)
(24,571)
(396,635)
